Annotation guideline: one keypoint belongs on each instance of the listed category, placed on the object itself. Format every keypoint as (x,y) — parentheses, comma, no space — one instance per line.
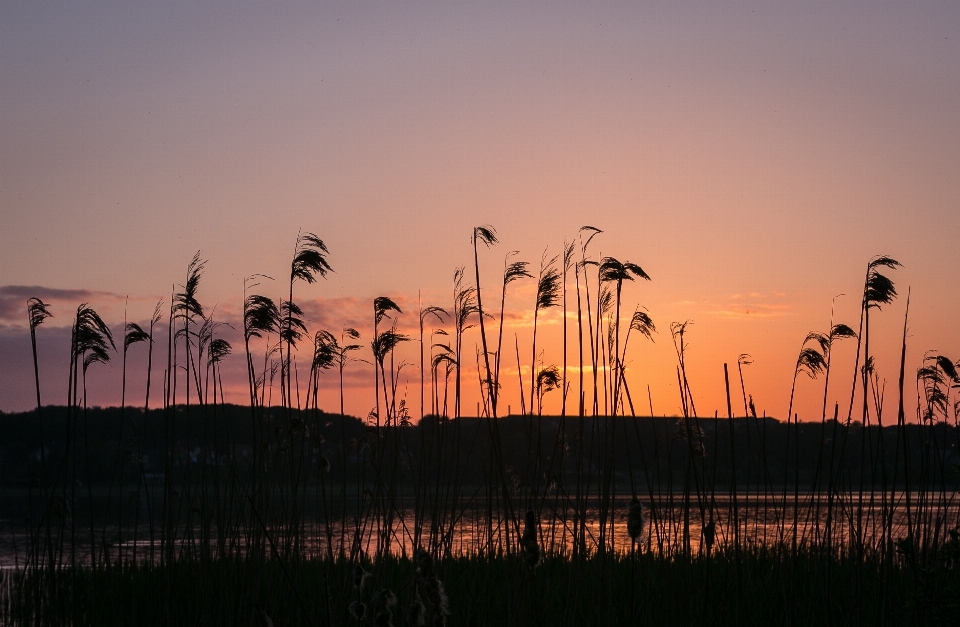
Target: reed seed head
(709,534)
(359,576)
(635,522)
(380,604)
(262,618)
(416,613)
(531,547)
(358,610)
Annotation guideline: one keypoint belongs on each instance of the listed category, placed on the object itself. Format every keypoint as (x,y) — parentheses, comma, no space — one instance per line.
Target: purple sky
(751,157)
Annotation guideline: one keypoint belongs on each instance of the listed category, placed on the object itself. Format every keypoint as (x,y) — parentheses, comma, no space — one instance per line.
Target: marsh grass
(310,518)
(621,590)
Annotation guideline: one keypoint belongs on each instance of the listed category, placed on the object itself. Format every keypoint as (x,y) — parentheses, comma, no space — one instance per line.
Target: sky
(751,157)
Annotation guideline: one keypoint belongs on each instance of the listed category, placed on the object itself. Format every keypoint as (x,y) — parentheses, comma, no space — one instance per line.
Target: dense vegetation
(189,510)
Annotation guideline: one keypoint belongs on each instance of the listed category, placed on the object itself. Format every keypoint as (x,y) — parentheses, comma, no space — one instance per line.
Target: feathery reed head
(416,613)
(936,375)
(91,334)
(549,284)
(606,301)
(568,260)
(185,303)
(95,356)
(679,329)
(219,348)
(385,342)
(134,334)
(359,576)
(590,232)
(514,271)
(548,379)
(326,350)
(486,234)
(292,328)
(616,271)
(879,289)
(841,331)
(382,305)
(309,259)
(464,301)
(948,368)
(643,323)
(37,312)
(260,315)
(438,312)
(811,362)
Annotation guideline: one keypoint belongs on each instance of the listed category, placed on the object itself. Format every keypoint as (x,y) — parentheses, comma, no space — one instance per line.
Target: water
(473,527)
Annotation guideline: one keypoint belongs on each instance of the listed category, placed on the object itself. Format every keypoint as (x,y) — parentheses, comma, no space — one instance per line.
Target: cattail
(531,548)
(416,613)
(709,532)
(359,576)
(424,563)
(635,522)
(61,509)
(358,610)
(262,618)
(433,586)
(438,596)
(380,605)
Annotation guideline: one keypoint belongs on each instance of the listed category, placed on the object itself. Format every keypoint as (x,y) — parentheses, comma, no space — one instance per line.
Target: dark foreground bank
(760,586)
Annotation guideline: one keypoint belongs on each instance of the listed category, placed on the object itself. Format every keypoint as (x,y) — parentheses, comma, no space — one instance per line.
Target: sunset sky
(751,157)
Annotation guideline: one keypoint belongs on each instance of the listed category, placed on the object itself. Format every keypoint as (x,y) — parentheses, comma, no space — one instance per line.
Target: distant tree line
(647,452)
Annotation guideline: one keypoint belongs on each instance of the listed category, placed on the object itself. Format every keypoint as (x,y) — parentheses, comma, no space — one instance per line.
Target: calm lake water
(670,522)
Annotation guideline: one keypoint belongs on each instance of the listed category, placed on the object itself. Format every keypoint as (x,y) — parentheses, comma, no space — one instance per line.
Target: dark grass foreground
(756,587)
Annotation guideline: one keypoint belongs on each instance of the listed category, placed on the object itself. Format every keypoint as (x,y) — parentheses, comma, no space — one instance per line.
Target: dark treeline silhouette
(647,451)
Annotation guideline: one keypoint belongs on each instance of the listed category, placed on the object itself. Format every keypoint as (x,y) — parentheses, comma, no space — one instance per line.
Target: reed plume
(635,521)
(548,379)
(439,313)
(381,604)
(511,272)
(359,577)
(417,612)
(548,295)
(427,576)
(709,535)
(488,235)
(263,619)
(382,306)
(529,541)
(309,261)
(343,355)
(37,312)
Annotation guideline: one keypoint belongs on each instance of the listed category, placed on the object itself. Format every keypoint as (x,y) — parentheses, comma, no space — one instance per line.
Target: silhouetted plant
(488,235)
(309,261)
(37,312)
(439,313)
(548,379)
(548,295)
(615,271)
